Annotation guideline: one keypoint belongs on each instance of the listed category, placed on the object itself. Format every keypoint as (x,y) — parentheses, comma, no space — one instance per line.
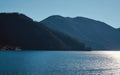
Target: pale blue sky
(104,10)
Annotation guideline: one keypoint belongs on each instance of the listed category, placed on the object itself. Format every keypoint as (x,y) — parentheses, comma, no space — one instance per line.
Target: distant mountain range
(18,30)
(118,29)
(95,34)
(57,33)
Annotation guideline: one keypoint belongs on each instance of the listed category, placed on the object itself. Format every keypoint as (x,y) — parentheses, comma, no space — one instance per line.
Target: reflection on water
(60,63)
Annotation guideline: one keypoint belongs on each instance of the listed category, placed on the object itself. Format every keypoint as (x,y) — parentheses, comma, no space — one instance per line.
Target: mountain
(96,34)
(19,31)
(118,29)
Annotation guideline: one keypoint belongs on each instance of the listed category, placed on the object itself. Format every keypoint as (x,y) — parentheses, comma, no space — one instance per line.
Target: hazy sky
(104,10)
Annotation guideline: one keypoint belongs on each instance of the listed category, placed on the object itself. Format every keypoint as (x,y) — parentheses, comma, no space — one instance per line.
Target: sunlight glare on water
(114,54)
(60,63)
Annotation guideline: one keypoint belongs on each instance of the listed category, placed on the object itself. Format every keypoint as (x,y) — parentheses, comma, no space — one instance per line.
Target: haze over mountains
(21,31)
(96,34)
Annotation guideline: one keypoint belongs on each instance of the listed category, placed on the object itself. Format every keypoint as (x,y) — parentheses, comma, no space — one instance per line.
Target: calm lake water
(60,63)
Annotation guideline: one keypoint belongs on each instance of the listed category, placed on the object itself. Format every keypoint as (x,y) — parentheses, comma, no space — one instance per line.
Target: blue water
(59,63)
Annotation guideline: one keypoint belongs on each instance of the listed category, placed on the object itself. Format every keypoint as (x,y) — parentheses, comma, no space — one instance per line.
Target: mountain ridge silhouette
(19,30)
(94,33)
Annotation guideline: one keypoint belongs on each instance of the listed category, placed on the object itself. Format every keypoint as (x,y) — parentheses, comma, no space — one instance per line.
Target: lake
(59,63)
